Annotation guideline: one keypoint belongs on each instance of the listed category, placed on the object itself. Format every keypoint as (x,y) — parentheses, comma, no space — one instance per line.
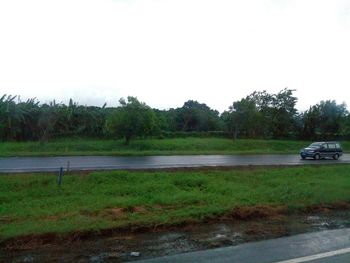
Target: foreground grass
(180,146)
(34,204)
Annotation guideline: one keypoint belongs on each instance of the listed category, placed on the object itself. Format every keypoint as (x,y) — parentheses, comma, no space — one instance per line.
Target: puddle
(130,247)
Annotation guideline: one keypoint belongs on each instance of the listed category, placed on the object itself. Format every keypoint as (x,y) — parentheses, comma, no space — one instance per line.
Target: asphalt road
(320,247)
(48,164)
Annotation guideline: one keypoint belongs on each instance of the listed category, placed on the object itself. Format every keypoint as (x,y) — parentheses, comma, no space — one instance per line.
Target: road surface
(320,247)
(75,163)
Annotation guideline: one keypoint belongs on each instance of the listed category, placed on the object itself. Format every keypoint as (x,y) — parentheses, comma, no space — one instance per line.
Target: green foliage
(262,115)
(33,204)
(259,115)
(243,118)
(195,116)
(132,119)
(31,121)
(325,120)
(191,117)
(12,116)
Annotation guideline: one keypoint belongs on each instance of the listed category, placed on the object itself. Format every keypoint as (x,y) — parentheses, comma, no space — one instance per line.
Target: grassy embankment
(34,204)
(180,146)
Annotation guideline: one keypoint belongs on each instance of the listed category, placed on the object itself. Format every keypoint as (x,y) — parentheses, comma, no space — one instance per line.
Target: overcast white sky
(168,51)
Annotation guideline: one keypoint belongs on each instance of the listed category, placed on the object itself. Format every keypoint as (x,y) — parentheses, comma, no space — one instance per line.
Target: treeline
(259,115)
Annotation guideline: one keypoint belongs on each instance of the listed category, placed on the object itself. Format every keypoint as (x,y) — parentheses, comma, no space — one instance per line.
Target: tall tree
(132,119)
(242,118)
(331,116)
(311,122)
(325,120)
(284,113)
(278,112)
(195,116)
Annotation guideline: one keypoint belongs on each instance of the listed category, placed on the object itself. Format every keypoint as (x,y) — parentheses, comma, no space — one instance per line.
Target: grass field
(34,204)
(180,146)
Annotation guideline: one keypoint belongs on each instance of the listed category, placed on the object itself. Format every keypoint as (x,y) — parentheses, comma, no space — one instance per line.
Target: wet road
(81,163)
(325,246)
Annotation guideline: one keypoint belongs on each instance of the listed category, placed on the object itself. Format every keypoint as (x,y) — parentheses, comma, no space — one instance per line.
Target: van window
(331,146)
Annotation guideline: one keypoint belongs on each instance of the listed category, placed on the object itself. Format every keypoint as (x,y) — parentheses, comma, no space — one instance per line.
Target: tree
(132,119)
(331,115)
(48,120)
(195,116)
(278,112)
(311,122)
(242,118)
(326,120)
(346,127)
(284,113)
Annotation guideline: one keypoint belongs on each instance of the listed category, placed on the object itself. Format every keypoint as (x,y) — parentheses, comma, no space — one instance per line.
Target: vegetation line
(258,115)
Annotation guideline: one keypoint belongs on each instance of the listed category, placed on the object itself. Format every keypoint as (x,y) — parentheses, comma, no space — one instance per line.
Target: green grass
(34,204)
(180,146)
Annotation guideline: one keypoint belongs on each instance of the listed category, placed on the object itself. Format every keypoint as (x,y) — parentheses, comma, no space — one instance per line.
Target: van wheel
(336,156)
(317,156)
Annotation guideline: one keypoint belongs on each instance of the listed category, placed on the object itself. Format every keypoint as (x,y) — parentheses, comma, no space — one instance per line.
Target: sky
(168,51)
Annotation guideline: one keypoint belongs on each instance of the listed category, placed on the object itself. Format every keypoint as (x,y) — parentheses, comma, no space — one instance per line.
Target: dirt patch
(9,220)
(30,241)
(114,213)
(111,213)
(117,211)
(139,209)
(52,218)
(326,208)
(342,205)
(255,212)
(6,220)
(89,213)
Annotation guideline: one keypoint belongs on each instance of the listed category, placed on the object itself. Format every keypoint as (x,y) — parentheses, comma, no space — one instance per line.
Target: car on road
(322,150)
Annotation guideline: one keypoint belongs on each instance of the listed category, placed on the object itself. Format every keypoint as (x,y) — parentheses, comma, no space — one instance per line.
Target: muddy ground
(118,247)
